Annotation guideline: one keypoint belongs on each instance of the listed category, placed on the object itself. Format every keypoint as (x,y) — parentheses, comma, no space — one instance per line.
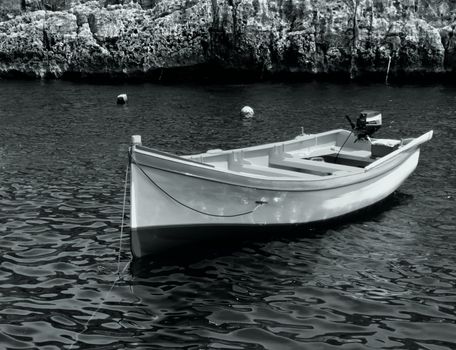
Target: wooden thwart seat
(284,165)
(268,172)
(236,162)
(313,165)
(279,158)
(360,155)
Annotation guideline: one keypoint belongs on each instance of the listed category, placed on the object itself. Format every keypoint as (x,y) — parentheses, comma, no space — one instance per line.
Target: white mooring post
(136,140)
(388,70)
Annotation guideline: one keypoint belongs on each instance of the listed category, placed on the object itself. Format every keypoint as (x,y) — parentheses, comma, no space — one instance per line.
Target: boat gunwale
(280,183)
(297,139)
(292,182)
(186,158)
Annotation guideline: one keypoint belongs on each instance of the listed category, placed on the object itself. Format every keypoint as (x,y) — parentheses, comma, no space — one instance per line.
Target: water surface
(381,280)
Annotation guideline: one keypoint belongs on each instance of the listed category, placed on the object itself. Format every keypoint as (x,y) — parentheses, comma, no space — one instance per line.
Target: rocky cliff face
(123,37)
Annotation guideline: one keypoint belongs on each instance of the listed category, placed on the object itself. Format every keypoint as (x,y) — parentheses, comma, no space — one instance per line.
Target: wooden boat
(310,178)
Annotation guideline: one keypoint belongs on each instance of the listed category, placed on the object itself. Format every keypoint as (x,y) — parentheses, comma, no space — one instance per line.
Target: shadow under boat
(206,242)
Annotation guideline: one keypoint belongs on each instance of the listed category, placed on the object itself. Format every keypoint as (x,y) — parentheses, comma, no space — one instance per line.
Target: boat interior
(332,153)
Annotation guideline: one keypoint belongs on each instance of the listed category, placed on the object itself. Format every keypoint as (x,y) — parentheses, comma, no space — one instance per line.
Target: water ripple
(383,279)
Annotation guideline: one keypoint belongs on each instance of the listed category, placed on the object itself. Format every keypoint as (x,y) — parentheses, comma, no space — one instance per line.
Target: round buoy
(122,99)
(247,112)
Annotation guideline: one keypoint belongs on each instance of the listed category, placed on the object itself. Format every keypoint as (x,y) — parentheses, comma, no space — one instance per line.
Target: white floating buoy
(122,99)
(247,112)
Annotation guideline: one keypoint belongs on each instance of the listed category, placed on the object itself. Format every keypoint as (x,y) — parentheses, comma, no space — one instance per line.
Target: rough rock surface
(353,38)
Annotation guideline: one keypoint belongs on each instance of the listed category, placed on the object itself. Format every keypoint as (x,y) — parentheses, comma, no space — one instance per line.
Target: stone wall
(353,38)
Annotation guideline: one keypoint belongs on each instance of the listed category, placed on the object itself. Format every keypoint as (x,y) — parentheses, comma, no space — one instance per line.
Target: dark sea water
(384,279)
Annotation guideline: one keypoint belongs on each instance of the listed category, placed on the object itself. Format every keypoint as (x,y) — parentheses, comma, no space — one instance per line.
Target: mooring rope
(259,203)
(86,325)
(118,272)
(123,216)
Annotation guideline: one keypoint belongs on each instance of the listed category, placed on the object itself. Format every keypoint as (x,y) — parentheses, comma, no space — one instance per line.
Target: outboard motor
(367,123)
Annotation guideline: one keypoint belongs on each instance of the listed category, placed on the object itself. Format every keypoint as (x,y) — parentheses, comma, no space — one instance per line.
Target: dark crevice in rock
(215,14)
(46,40)
(92,21)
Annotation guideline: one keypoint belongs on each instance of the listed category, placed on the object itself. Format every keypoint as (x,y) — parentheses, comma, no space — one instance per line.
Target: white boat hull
(169,198)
